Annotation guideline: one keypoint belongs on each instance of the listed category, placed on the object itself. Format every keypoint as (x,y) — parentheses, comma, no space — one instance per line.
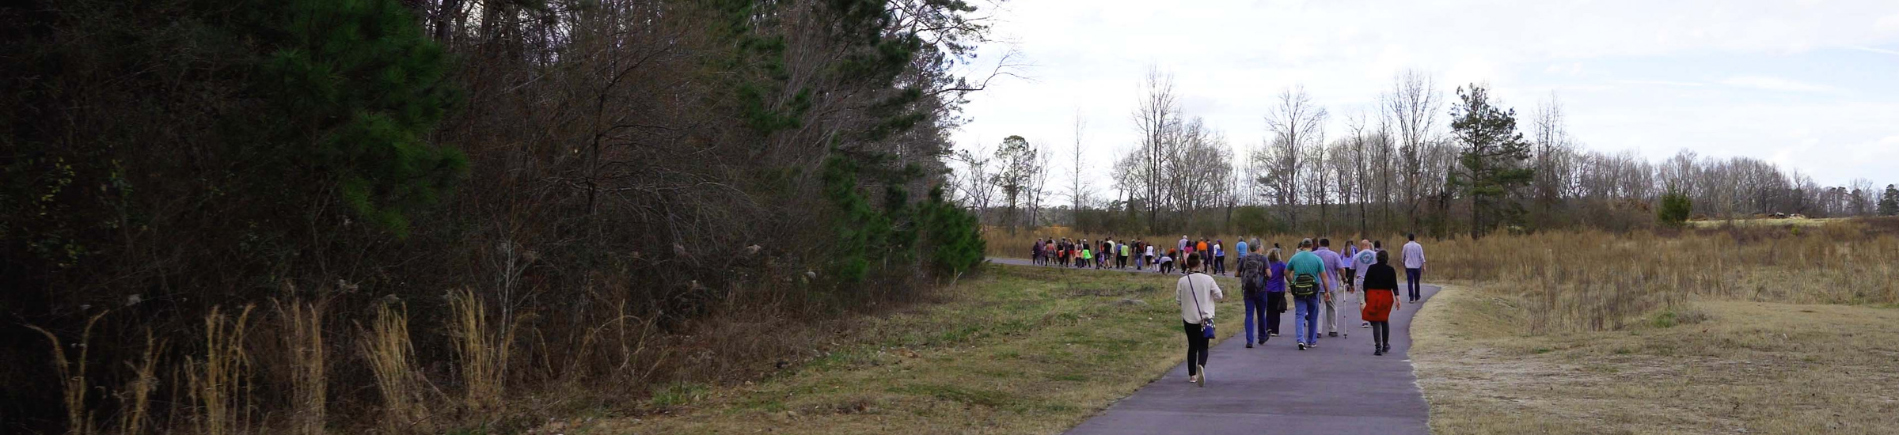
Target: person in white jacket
(1197,294)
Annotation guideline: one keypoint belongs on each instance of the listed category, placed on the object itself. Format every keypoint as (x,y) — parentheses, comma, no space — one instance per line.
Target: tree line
(1414,161)
(573,163)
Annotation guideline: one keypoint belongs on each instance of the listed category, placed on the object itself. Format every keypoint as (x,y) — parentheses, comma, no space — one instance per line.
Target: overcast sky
(1811,85)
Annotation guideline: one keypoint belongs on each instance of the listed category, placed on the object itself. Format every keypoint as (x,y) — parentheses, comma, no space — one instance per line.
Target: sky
(1810,85)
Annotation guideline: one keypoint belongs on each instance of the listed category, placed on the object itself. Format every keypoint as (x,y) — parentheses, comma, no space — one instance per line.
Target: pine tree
(1889,202)
(355,86)
(1493,159)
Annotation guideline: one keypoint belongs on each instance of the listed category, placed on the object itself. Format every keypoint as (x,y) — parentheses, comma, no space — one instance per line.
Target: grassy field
(1764,222)
(1703,367)
(1020,350)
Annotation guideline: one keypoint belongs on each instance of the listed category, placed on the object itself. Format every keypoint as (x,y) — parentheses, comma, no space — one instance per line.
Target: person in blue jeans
(1253,272)
(1413,266)
(1307,286)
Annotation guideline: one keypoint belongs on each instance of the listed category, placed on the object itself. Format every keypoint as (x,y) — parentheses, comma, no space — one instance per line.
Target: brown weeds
(303,339)
(219,383)
(391,360)
(136,398)
(73,379)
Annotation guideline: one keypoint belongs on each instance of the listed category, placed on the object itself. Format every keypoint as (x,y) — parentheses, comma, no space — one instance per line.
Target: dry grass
(1706,367)
(73,388)
(483,354)
(303,337)
(135,399)
(1020,350)
(1588,280)
(391,358)
(220,384)
(1765,222)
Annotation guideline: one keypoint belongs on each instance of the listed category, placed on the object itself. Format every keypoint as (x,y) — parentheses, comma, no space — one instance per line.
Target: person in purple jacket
(1275,292)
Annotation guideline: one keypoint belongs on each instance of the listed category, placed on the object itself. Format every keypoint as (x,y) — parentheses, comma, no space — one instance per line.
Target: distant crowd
(1139,254)
(1317,281)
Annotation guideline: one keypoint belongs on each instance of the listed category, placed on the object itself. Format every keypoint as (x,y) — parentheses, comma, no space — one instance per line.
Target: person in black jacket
(1381,296)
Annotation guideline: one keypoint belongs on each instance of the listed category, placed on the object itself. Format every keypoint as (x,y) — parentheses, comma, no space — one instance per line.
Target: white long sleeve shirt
(1413,255)
(1202,289)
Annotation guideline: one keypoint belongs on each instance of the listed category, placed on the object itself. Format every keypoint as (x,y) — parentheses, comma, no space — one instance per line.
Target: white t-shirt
(1203,290)
(1363,261)
(1150,250)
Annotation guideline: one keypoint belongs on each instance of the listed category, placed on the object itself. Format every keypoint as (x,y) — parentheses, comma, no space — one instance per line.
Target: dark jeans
(1196,348)
(1257,317)
(1411,277)
(1381,334)
(1275,305)
(1219,264)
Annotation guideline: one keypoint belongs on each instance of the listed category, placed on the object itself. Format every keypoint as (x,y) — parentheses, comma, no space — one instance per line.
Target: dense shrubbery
(587,173)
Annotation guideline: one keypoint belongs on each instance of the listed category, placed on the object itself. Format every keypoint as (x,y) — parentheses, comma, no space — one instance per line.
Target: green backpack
(1304,285)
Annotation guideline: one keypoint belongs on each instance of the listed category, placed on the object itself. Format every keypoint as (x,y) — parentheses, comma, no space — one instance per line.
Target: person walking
(1275,292)
(1381,296)
(1201,248)
(1197,294)
(1362,261)
(1239,246)
(1329,319)
(1252,271)
(1413,266)
(1308,284)
(1121,259)
(1219,257)
(1150,254)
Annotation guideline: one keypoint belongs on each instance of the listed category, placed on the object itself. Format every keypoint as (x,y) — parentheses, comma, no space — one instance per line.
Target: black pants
(1381,334)
(1219,264)
(1196,348)
(1275,304)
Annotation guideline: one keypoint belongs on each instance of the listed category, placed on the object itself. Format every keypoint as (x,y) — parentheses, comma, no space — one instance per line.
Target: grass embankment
(1020,350)
(1708,366)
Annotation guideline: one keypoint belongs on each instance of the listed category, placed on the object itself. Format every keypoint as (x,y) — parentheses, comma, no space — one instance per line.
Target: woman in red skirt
(1381,287)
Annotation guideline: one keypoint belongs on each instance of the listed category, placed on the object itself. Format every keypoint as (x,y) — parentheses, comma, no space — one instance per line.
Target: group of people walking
(1317,281)
(1140,254)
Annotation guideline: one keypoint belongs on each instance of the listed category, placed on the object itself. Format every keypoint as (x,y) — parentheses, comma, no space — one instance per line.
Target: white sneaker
(1202,380)
(1364,325)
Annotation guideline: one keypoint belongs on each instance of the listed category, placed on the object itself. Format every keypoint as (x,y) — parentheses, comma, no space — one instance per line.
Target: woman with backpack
(1252,272)
(1381,296)
(1197,294)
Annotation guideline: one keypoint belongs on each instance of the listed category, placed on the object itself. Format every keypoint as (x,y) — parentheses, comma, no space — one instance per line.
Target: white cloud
(1776,84)
(1646,61)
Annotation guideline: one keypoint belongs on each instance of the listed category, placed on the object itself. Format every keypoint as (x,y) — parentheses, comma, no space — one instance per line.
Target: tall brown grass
(1592,280)
(303,339)
(136,398)
(390,354)
(483,354)
(72,376)
(220,383)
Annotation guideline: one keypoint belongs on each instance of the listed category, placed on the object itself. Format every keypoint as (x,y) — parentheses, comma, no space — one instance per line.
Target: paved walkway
(1337,388)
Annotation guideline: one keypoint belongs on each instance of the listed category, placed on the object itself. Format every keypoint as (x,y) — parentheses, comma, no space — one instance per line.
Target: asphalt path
(1336,388)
